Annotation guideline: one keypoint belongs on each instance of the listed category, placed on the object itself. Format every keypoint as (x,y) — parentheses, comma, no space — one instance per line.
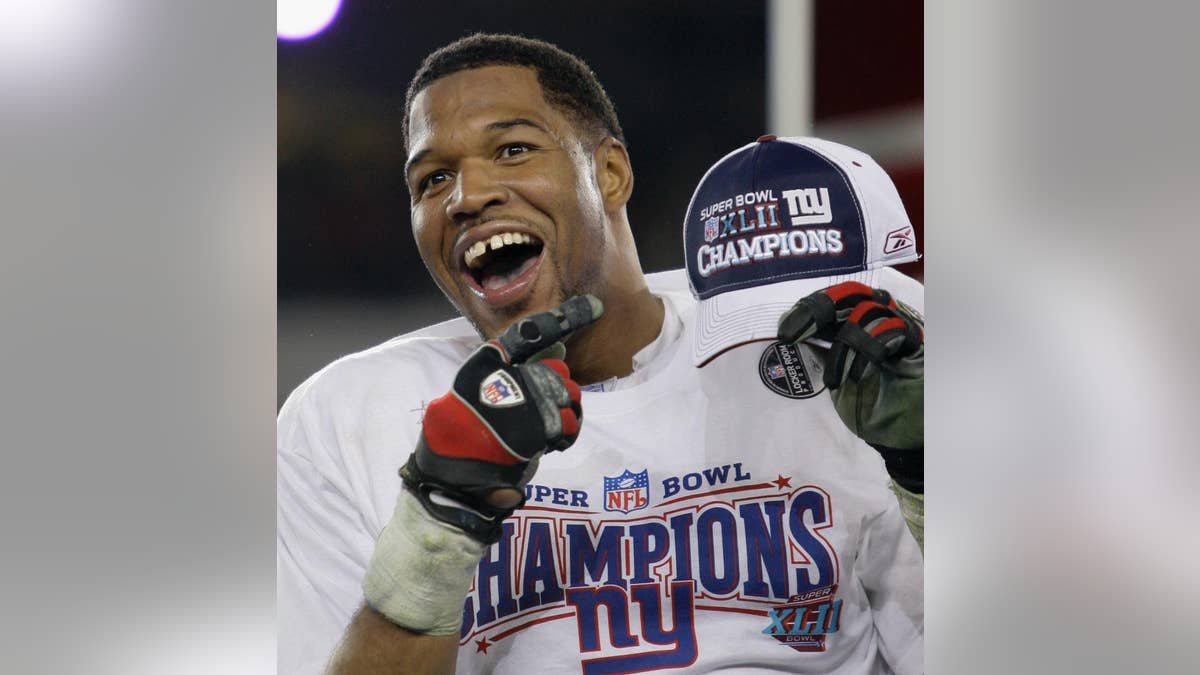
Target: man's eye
(513,149)
(435,178)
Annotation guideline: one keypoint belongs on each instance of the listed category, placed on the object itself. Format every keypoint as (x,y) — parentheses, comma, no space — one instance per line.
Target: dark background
(689,83)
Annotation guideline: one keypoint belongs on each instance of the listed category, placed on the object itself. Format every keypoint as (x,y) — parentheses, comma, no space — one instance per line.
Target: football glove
(502,413)
(505,409)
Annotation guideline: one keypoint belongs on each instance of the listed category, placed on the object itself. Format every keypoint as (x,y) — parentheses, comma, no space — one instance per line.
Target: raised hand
(874,369)
(480,442)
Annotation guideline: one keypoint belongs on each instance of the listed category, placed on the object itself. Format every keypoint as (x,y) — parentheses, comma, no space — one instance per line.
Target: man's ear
(614,173)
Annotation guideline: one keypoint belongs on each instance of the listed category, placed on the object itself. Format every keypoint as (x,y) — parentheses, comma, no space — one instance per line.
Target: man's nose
(475,189)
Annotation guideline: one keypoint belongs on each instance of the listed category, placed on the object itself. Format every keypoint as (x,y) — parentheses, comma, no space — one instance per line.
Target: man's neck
(631,321)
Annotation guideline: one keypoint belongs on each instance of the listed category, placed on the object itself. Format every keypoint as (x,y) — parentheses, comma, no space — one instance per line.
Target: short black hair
(567,82)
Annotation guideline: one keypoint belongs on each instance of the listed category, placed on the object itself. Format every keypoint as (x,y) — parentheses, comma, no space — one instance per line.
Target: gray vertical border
(137,279)
(1060,236)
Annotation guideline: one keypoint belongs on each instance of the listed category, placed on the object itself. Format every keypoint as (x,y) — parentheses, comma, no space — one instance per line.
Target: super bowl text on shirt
(631,578)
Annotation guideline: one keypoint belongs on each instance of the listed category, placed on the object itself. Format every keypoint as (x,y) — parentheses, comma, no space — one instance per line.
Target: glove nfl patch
(500,390)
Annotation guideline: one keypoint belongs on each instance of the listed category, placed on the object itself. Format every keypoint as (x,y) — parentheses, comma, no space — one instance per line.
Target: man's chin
(490,322)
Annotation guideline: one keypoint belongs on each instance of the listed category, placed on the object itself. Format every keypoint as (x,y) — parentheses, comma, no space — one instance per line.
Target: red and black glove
(875,369)
(502,413)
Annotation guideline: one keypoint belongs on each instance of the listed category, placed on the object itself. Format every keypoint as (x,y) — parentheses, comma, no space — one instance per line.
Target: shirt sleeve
(323,545)
(891,568)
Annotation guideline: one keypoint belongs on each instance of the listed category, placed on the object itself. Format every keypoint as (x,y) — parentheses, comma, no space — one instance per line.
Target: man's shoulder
(668,282)
(456,329)
(672,285)
(421,360)
(449,341)
(413,362)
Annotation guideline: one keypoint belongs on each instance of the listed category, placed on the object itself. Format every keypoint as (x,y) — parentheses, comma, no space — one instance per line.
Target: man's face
(506,210)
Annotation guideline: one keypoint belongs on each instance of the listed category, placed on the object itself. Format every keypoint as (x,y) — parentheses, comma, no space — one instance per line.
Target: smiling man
(518,176)
(518,198)
(674,530)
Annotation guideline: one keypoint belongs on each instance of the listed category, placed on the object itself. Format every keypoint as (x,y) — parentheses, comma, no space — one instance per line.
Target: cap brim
(734,318)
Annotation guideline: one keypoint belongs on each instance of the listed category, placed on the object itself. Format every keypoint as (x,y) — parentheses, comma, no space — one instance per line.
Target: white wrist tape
(912,507)
(421,570)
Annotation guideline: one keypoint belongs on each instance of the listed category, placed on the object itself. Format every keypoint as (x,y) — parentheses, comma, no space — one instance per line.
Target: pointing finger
(536,332)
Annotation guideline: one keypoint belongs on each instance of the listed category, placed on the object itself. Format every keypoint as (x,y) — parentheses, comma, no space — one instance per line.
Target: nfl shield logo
(500,390)
(494,392)
(776,372)
(627,492)
(710,230)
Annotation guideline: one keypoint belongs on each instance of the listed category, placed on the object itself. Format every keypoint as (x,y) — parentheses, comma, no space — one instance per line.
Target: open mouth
(503,264)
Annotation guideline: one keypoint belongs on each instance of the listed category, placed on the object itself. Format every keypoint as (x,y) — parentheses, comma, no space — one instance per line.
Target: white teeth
(478,249)
(473,253)
(497,241)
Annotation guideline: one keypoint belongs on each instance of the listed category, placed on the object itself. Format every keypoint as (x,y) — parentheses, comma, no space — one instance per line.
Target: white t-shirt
(702,520)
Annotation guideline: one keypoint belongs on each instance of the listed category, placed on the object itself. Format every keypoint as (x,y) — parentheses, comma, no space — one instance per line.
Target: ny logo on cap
(809,206)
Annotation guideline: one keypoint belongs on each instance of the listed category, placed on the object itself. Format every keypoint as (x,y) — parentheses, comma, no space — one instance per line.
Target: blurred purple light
(302,19)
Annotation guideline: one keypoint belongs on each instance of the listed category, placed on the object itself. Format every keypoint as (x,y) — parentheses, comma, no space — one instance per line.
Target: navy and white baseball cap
(783,217)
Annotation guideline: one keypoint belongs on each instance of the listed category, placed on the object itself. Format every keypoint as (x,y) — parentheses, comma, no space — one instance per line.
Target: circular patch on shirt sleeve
(794,372)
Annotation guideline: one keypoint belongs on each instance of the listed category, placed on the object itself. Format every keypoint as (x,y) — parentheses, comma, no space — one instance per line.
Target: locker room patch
(788,371)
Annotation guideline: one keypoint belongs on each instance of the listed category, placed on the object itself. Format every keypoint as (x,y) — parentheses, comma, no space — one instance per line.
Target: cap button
(766,137)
